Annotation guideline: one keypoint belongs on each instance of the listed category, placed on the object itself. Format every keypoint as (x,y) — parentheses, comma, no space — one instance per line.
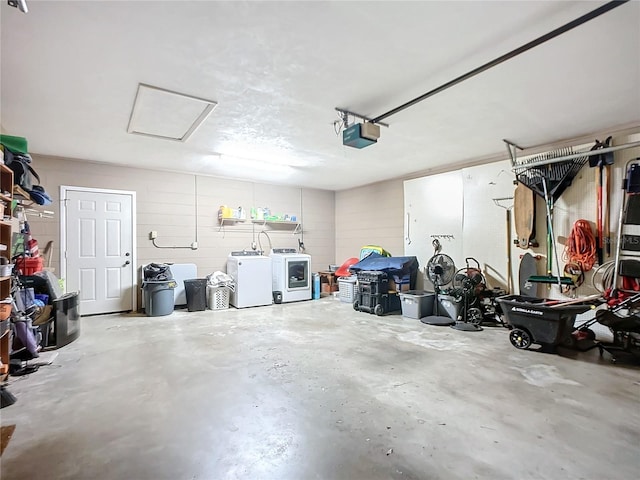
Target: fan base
(437,320)
(467,327)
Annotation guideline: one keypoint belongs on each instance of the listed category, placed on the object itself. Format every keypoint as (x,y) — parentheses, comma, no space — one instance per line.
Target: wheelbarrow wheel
(520,338)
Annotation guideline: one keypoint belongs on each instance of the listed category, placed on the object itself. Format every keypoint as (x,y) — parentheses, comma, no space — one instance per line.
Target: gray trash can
(158,297)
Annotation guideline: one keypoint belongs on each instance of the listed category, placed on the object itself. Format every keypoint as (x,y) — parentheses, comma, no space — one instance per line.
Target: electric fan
(440,270)
(470,283)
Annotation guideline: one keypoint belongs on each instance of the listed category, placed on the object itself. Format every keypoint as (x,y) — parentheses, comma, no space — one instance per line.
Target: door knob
(127,262)
(127,254)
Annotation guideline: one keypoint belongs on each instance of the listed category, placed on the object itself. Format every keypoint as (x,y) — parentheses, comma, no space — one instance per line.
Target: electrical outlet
(153,235)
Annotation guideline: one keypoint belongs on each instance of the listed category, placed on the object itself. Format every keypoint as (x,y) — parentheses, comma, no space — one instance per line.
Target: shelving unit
(6,231)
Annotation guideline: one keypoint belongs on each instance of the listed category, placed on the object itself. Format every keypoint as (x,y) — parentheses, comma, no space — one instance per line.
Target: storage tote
(417,303)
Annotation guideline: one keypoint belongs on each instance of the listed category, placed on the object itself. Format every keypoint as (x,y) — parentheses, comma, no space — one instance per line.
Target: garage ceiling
(277,70)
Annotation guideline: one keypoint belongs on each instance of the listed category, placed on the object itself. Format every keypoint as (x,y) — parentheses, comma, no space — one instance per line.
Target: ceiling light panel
(162,113)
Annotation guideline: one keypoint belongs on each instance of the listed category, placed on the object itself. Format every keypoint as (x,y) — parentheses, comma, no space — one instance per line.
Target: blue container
(316,286)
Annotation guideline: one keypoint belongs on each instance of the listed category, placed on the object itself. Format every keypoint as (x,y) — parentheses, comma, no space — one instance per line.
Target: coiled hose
(581,246)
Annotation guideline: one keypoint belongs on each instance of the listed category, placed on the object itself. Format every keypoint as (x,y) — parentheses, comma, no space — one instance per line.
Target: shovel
(602,162)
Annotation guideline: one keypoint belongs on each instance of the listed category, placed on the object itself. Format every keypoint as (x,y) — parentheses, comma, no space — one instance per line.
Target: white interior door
(98,248)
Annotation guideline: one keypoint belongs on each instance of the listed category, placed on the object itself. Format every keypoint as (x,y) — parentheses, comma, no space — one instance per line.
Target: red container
(30,265)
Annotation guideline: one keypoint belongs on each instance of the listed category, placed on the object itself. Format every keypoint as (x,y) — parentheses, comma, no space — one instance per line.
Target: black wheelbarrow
(537,320)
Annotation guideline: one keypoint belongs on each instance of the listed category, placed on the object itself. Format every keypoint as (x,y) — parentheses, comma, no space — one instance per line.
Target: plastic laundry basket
(218,297)
(347,289)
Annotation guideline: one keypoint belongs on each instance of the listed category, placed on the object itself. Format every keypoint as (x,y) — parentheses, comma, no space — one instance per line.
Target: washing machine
(291,274)
(252,274)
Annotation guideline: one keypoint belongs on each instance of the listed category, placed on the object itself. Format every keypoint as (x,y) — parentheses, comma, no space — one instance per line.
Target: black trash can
(196,290)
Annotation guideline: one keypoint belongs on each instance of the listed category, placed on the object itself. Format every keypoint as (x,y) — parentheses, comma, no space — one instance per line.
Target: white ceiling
(277,70)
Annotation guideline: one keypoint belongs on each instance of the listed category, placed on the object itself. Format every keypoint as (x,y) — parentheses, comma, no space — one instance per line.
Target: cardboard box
(327,288)
(398,287)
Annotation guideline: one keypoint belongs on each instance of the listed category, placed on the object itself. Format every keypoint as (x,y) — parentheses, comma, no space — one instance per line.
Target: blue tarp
(376,262)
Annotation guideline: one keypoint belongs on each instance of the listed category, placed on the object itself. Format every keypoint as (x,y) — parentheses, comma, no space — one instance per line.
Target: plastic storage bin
(158,297)
(218,297)
(417,303)
(196,290)
(347,289)
(449,306)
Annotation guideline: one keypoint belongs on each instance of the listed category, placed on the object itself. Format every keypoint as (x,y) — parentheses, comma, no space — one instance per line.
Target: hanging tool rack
(548,175)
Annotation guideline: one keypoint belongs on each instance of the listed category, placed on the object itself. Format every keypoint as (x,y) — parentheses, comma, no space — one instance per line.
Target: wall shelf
(272,225)
(280,224)
(222,221)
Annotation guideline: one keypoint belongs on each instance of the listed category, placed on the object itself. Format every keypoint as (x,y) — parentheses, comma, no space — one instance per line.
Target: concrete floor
(315,390)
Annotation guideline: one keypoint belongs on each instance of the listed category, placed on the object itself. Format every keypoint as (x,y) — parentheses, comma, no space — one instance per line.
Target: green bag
(15,144)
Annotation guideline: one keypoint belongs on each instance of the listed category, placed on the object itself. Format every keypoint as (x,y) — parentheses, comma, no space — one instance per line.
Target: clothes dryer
(291,274)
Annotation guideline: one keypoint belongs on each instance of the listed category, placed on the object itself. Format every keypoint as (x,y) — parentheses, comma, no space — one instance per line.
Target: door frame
(63,234)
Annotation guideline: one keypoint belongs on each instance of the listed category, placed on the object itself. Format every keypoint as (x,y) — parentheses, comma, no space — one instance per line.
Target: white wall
(167,203)
(369,215)
(457,209)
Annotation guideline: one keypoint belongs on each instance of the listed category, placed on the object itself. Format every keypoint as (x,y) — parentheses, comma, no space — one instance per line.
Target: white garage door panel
(458,208)
(433,209)
(485,234)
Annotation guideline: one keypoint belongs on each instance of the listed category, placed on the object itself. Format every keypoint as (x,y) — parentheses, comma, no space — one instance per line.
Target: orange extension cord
(581,246)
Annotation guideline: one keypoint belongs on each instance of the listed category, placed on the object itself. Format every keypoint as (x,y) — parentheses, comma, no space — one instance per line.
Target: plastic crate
(218,297)
(347,289)
(417,303)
